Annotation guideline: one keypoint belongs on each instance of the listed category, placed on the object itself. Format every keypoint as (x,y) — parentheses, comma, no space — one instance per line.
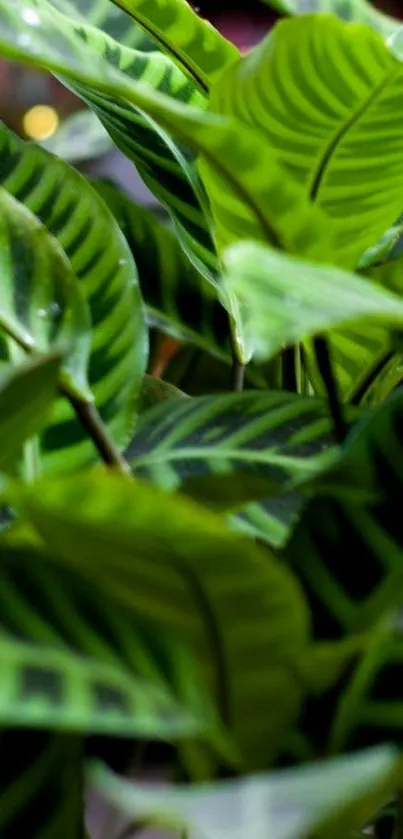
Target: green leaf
(357,11)
(195,45)
(73,663)
(262,438)
(327,799)
(41,305)
(267,207)
(277,436)
(46,768)
(280,301)
(27,393)
(101,260)
(334,130)
(81,137)
(237,609)
(180,301)
(104,15)
(154,391)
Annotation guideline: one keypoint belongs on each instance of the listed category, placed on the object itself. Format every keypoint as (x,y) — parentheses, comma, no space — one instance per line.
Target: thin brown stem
(90,419)
(237,376)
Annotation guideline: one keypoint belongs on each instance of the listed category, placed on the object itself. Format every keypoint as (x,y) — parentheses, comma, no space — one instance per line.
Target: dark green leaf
(180,301)
(27,393)
(237,609)
(71,662)
(325,800)
(154,391)
(101,260)
(41,304)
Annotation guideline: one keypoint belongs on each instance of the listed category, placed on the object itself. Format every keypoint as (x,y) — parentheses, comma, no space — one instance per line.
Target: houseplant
(221,571)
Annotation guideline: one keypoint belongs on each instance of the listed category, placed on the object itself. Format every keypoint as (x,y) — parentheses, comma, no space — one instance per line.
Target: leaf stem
(237,376)
(324,363)
(364,387)
(90,419)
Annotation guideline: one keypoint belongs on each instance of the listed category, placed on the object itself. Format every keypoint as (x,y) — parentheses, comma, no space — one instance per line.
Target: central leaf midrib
(343,131)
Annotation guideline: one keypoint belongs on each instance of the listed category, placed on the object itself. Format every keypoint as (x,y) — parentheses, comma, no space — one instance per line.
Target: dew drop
(42,313)
(122,263)
(31,17)
(24,40)
(54,309)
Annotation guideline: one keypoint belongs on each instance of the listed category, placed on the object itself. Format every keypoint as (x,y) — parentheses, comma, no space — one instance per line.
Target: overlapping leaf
(278,207)
(71,662)
(357,11)
(41,304)
(180,301)
(325,800)
(280,300)
(106,16)
(238,610)
(107,278)
(193,43)
(331,117)
(27,393)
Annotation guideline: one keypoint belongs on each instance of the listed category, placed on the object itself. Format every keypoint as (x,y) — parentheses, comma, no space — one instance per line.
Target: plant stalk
(324,363)
(90,419)
(237,376)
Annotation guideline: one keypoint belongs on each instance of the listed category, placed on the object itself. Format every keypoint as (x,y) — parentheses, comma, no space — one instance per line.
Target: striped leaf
(112,20)
(264,434)
(237,609)
(73,663)
(347,547)
(41,786)
(272,206)
(356,11)
(27,393)
(280,301)
(327,799)
(100,258)
(41,304)
(335,129)
(192,42)
(180,301)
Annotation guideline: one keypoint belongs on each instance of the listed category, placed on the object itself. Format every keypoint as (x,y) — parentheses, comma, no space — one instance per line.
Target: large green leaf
(331,121)
(262,440)
(328,799)
(180,301)
(239,610)
(280,300)
(357,11)
(27,393)
(41,785)
(71,662)
(195,45)
(41,305)
(278,207)
(100,257)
